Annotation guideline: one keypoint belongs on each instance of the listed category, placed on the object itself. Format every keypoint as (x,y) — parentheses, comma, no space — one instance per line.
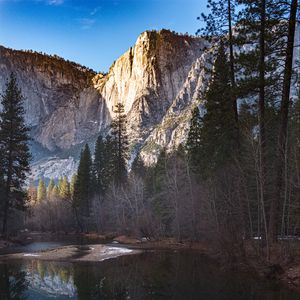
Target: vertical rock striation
(67,105)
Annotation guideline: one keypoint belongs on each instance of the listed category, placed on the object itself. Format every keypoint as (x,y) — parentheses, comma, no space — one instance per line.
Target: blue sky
(91,32)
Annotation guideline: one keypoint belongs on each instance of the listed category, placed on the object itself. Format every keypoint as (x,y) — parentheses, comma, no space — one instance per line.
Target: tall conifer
(99,165)
(193,140)
(41,191)
(15,155)
(64,192)
(219,23)
(50,188)
(120,138)
(82,188)
(218,133)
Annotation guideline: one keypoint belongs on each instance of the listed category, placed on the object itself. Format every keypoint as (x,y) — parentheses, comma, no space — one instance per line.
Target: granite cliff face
(58,97)
(148,77)
(157,80)
(174,126)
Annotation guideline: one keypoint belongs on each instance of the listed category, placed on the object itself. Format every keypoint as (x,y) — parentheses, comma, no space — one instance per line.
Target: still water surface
(150,275)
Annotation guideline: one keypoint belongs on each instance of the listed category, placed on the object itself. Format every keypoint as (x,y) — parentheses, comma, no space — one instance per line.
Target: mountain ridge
(68,105)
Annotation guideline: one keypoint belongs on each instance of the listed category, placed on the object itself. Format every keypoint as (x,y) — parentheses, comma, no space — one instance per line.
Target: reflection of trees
(93,283)
(13,283)
(51,269)
(155,276)
(131,277)
(51,277)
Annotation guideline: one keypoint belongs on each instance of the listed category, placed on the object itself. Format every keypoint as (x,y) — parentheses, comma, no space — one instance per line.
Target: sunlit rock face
(68,105)
(174,126)
(148,77)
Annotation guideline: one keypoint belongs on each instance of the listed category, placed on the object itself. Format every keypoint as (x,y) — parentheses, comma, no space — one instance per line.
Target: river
(149,275)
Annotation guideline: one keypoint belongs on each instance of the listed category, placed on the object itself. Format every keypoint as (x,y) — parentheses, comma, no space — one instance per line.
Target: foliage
(99,166)
(50,188)
(120,145)
(213,138)
(41,191)
(64,190)
(193,140)
(83,188)
(15,155)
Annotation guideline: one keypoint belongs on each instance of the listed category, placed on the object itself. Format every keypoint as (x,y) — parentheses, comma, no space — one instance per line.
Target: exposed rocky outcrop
(67,105)
(148,77)
(174,127)
(60,103)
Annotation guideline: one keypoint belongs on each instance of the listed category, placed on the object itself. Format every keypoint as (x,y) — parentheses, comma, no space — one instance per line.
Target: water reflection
(52,279)
(13,282)
(146,276)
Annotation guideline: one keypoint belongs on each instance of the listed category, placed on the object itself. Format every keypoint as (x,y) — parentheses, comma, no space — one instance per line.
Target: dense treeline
(251,171)
(71,205)
(235,180)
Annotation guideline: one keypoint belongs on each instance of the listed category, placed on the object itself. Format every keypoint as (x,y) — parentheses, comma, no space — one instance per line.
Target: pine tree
(50,188)
(109,159)
(276,203)
(291,205)
(193,141)
(59,184)
(32,193)
(64,192)
(2,184)
(120,151)
(82,188)
(42,191)
(160,172)
(72,185)
(138,167)
(55,192)
(159,192)
(219,23)
(99,165)
(155,175)
(15,155)
(261,24)
(218,133)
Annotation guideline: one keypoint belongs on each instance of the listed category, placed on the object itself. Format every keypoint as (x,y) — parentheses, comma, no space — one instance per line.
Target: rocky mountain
(159,80)
(68,105)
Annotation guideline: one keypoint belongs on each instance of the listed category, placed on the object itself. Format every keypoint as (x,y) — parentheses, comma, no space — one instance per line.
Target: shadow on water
(150,275)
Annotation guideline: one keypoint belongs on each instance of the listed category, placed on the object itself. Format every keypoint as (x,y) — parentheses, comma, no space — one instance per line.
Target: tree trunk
(261,113)
(7,192)
(231,63)
(78,220)
(283,122)
(261,101)
(5,216)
